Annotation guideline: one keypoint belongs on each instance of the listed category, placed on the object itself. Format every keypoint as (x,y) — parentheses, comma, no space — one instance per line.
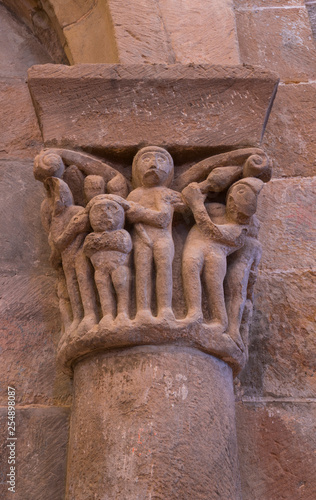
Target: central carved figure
(102,233)
(152,204)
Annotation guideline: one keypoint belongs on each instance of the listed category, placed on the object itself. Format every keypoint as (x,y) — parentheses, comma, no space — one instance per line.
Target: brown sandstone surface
(40,453)
(178,106)
(277,439)
(280,40)
(160,418)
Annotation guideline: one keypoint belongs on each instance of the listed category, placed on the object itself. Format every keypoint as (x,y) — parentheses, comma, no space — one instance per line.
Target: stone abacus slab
(109,107)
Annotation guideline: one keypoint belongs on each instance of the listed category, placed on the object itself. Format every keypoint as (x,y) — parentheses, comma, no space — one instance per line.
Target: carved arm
(195,200)
(77,225)
(119,241)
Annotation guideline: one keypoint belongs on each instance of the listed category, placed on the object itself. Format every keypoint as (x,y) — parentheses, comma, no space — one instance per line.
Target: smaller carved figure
(108,248)
(152,205)
(219,231)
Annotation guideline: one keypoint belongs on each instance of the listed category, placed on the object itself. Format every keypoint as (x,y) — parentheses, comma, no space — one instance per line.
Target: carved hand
(192,195)
(80,223)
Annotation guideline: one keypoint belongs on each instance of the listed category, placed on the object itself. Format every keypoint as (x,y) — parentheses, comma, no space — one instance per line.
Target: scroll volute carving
(111,242)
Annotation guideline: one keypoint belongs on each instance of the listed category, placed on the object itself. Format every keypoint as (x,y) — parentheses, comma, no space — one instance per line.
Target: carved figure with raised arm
(109,248)
(68,225)
(152,205)
(68,229)
(219,231)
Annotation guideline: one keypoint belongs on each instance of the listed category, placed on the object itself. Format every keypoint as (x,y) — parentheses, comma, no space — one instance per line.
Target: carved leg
(192,264)
(85,279)
(239,282)
(64,303)
(143,264)
(73,292)
(104,286)
(163,257)
(215,271)
(121,282)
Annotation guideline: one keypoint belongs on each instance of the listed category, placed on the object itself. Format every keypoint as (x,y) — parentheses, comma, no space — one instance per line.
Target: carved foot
(166,313)
(144,316)
(217,327)
(236,337)
(87,323)
(194,316)
(73,327)
(122,319)
(106,321)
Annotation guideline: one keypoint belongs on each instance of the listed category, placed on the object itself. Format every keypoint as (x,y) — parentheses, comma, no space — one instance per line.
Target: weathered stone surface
(23,242)
(281,42)
(277,450)
(152,32)
(311,9)
(30,326)
(282,349)
(291,131)
(287,233)
(164,416)
(19,51)
(88,29)
(179,32)
(175,106)
(20,135)
(41,446)
(255,4)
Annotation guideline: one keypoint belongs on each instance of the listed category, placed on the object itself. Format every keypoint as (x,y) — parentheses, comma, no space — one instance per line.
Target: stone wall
(276,392)
(28,308)
(276,411)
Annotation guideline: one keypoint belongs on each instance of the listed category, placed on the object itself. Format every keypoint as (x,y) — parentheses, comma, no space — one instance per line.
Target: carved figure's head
(152,166)
(60,194)
(241,200)
(48,164)
(106,215)
(93,186)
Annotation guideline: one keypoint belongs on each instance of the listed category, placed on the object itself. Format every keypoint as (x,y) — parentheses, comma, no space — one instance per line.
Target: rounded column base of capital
(153,423)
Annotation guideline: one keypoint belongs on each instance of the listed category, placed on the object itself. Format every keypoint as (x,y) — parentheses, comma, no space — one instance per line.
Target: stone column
(153,360)
(153,422)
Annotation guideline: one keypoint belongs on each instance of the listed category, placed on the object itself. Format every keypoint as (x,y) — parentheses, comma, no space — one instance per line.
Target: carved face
(106,215)
(93,186)
(155,168)
(241,203)
(152,166)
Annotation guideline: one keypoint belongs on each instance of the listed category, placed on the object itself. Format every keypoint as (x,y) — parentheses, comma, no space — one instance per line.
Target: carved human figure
(68,229)
(68,226)
(152,205)
(240,279)
(219,231)
(109,248)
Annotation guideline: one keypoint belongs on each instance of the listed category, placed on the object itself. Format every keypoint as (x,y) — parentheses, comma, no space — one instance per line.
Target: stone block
(173,31)
(278,39)
(290,138)
(24,243)
(282,350)
(20,136)
(41,446)
(287,216)
(256,4)
(277,443)
(19,51)
(311,9)
(115,107)
(30,326)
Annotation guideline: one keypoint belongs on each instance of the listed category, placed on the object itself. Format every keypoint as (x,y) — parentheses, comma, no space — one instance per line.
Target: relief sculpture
(113,243)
